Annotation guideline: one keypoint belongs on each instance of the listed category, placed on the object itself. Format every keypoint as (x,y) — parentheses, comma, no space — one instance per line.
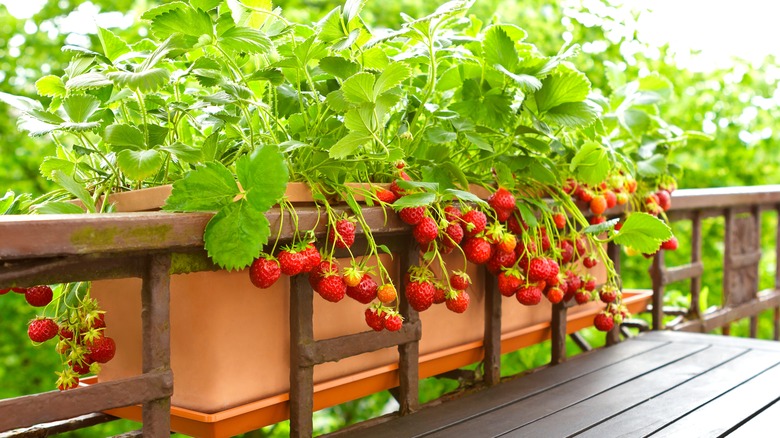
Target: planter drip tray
(270,410)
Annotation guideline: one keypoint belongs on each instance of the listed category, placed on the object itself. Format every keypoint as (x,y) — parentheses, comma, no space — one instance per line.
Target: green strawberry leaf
(244,39)
(263,176)
(359,88)
(58,207)
(74,188)
(391,77)
(207,188)
(415,200)
(499,49)
(348,145)
(572,114)
(643,232)
(50,86)
(466,196)
(113,46)
(591,163)
(122,136)
(566,86)
(139,164)
(236,234)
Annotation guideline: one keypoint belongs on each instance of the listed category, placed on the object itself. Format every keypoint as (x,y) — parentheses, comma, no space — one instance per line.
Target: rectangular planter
(329,392)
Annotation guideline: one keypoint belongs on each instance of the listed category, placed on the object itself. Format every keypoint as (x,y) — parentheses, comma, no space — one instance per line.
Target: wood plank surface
(507,392)
(551,402)
(764,424)
(658,411)
(730,409)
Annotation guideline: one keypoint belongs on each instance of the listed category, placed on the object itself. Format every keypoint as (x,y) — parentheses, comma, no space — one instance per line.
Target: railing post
(558,335)
(656,274)
(155,317)
(409,353)
(492,335)
(776,316)
(301,374)
(694,310)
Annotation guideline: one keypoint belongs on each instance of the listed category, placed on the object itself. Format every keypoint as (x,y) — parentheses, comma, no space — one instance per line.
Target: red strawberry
(589,262)
(68,380)
(5,291)
(566,250)
(264,272)
(42,329)
(375,320)
(589,284)
(595,220)
(38,296)
(412,215)
(573,282)
(343,234)
(453,235)
(291,262)
(500,259)
(83,366)
(420,294)
(66,333)
(509,282)
(386,196)
(439,294)
(670,244)
(332,288)
(426,231)
(365,291)
(477,250)
(539,269)
(584,194)
(514,225)
(529,295)
(610,198)
(503,215)
(19,290)
(603,322)
(598,204)
(452,213)
(560,220)
(459,301)
(312,257)
(502,199)
(607,294)
(581,245)
(569,186)
(664,199)
(393,322)
(582,297)
(386,293)
(460,280)
(328,267)
(101,349)
(474,221)
(555,295)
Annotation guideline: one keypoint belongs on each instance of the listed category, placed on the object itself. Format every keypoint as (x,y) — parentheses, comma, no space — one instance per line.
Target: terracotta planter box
(230,344)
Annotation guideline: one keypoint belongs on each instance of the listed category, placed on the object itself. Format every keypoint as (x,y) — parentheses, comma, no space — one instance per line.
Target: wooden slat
(745,260)
(723,197)
(728,410)
(684,272)
(656,275)
(677,337)
(57,427)
(764,422)
(465,408)
(155,318)
(75,234)
(721,317)
(660,410)
(335,349)
(71,269)
(28,410)
(528,410)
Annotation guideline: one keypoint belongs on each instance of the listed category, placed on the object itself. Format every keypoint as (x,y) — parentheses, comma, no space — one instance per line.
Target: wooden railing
(68,248)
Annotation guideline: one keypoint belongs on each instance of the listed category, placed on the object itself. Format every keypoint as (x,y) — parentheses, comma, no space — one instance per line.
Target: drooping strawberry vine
(229,102)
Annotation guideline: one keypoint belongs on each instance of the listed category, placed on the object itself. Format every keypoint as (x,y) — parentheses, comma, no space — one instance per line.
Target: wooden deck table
(658,384)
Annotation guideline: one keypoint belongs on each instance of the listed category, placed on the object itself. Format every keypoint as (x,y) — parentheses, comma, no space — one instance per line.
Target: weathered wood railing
(91,247)
(742,208)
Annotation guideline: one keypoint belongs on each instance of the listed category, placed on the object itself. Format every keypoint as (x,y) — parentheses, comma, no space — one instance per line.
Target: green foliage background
(734,105)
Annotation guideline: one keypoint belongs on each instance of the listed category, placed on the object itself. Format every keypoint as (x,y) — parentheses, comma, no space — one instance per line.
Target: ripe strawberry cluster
(82,342)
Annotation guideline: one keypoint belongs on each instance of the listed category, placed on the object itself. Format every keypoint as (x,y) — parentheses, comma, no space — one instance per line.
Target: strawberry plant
(229,103)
